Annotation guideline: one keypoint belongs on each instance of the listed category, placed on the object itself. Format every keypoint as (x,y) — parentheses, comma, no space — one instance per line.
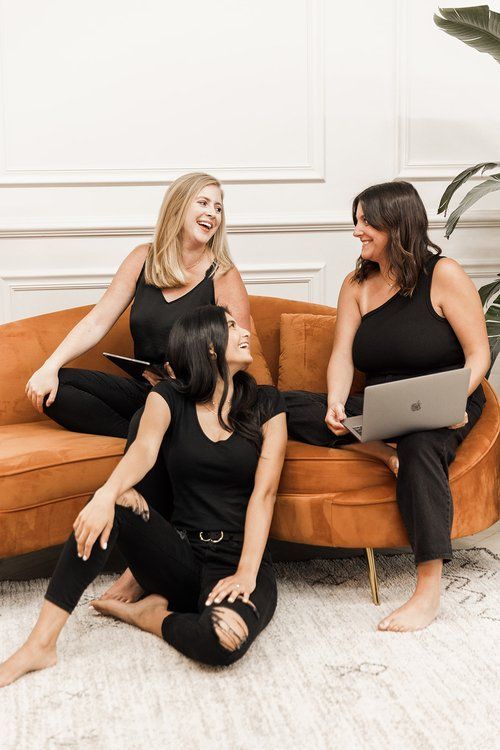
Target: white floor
(489,539)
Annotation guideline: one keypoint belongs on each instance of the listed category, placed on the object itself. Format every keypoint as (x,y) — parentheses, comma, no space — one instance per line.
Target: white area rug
(320,676)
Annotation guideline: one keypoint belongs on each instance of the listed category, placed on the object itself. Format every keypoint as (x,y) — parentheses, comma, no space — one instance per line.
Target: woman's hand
(42,381)
(94,520)
(232,586)
(153,378)
(334,416)
(460,424)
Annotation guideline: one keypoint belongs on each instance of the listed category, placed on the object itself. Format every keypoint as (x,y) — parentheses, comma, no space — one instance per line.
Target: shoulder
(270,402)
(135,260)
(227,278)
(448,274)
(350,290)
(166,389)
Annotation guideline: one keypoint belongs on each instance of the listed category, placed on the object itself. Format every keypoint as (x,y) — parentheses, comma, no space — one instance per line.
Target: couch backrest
(266,312)
(26,344)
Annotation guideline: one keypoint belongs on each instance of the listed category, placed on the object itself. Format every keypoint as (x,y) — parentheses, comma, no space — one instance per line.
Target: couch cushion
(258,368)
(41,462)
(306,342)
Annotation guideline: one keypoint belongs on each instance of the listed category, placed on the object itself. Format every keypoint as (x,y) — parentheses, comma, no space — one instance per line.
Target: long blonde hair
(164,260)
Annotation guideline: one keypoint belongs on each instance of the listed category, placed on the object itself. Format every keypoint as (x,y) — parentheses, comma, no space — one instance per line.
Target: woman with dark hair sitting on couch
(404,311)
(208,574)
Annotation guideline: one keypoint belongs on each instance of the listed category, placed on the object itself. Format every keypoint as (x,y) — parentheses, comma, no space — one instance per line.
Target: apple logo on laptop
(416,406)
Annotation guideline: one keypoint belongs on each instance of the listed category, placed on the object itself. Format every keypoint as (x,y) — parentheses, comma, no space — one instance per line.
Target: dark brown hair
(397,208)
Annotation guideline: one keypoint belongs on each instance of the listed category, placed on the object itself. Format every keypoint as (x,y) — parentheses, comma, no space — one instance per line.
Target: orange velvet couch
(327,497)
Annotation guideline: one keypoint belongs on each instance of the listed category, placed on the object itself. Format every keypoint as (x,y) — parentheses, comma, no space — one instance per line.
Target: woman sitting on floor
(208,575)
(405,311)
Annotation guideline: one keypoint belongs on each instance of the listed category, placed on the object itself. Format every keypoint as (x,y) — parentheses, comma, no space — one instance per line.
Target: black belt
(211,536)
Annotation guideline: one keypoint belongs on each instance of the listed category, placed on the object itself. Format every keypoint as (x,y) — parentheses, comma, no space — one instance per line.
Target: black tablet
(135,367)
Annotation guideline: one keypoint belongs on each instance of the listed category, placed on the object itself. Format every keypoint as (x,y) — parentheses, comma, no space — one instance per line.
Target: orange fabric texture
(306,342)
(326,496)
(258,368)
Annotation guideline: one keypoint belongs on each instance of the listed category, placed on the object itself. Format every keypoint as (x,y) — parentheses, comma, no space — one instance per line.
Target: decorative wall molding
(405,169)
(143,227)
(313,170)
(481,268)
(257,224)
(19,282)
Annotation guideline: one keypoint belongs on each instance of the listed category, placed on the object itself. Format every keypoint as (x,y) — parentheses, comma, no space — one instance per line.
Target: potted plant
(479,27)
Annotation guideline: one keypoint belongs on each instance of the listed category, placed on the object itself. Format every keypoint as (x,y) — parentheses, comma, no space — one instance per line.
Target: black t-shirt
(211,481)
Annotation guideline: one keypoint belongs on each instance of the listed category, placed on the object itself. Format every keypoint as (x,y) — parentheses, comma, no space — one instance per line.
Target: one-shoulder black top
(152,317)
(405,337)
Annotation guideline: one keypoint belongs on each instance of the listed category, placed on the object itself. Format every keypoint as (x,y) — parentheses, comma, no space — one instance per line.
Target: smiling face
(238,355)
(373,241)
(203,218)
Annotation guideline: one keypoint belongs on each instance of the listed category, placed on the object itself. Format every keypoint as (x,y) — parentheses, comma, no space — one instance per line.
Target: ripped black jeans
(164,562)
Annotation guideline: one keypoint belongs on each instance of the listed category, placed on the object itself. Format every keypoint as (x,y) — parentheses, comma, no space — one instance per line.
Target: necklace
(193,265)
(214,411)
(388,284)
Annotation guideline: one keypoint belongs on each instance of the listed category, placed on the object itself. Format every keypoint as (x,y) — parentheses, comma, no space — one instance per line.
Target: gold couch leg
(372,574)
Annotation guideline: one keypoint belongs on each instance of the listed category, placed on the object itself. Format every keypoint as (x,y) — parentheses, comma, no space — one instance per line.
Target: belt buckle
(215,541)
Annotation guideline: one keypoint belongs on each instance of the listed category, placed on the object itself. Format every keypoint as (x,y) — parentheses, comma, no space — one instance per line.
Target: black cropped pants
(102,404)
(96,402)
(422,487)
(164,562)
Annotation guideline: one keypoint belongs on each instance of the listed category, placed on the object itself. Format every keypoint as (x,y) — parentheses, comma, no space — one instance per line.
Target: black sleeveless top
(212,481)
(152,317)
(405,337)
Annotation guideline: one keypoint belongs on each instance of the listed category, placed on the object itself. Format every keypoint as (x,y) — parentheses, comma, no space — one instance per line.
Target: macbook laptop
(412,405)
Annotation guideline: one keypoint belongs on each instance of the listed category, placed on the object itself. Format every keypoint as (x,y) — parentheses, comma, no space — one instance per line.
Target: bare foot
(29,658)
(125,589)
(378,449)
(416,614)
(146,614)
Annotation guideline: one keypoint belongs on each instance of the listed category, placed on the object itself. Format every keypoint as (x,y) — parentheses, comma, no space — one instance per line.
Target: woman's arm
(340,367)
(454,296)
(91,329)
(230,292)
(259,514)
(97,516)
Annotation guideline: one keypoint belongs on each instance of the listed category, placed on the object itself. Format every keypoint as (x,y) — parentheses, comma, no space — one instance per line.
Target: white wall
(295,104)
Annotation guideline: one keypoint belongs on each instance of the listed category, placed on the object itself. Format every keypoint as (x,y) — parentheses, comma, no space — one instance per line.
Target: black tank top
(212,481)
(405,337)
(152,317)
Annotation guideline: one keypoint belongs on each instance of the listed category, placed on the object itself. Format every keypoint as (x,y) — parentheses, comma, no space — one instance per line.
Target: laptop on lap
(427,402)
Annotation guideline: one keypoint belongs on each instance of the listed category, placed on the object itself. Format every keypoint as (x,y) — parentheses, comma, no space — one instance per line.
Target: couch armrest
(26,344)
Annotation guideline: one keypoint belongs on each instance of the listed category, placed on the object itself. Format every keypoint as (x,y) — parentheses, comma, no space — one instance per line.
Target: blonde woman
(187,265)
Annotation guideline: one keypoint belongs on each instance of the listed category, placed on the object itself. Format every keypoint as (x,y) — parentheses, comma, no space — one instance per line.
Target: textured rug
(320,676)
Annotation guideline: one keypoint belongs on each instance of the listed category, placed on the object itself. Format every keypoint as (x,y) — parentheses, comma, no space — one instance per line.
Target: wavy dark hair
(191,339)
(396,208)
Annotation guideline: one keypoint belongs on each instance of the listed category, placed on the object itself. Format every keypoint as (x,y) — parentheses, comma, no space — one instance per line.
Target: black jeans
(164,562)
(96,402)
(422,487)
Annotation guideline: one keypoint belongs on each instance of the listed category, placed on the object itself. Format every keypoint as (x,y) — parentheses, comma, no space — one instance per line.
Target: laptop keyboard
(358,430)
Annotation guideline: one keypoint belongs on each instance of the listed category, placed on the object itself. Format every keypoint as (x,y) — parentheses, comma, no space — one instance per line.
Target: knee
(418,447)
(134,501)
(231,632)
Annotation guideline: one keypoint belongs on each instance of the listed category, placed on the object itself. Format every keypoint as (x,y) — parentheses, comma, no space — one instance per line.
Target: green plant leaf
(459,181)
(487,293)
(494,352)
(488,186)
(493,314)
(479,27)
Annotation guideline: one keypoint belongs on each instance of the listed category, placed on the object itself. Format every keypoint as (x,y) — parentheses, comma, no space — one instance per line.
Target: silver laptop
(411,405)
